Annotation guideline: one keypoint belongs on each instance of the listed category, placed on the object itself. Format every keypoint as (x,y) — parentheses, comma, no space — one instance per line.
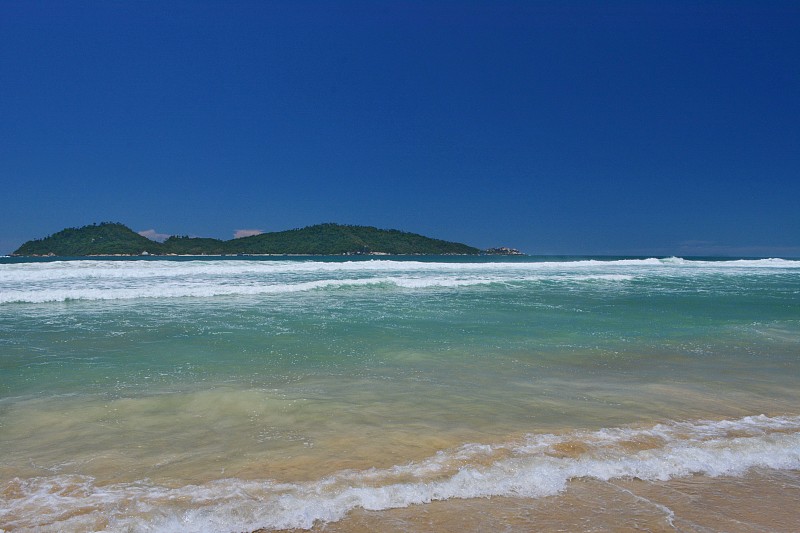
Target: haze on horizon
(631,128)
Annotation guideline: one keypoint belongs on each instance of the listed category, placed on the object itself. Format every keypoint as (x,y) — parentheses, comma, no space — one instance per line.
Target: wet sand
(763,500)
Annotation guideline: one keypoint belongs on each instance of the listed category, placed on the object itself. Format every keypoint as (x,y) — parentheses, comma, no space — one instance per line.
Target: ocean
(399,394)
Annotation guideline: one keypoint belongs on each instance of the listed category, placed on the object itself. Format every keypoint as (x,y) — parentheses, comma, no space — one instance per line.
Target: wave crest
(111,280)
(536,466)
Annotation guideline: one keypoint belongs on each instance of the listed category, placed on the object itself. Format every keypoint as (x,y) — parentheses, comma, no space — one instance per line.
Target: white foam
(530,468)
(109,280)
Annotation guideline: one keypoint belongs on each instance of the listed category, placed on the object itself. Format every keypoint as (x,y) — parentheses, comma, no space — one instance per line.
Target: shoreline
(681,504)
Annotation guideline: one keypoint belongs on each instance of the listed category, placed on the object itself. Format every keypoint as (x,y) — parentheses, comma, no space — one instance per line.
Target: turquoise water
(219,394)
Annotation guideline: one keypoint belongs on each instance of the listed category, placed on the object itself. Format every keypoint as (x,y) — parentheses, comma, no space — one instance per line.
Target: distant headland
(112,238)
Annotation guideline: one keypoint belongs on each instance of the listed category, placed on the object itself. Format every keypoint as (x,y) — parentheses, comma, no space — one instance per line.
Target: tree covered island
(111,238)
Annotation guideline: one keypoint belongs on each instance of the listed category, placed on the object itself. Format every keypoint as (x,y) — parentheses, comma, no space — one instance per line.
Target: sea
(380,393)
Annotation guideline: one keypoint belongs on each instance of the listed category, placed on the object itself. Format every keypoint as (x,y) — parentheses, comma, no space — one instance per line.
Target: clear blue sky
(555,127)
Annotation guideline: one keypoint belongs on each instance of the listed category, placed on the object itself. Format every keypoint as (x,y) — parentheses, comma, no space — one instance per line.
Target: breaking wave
(531,467)
(60,281)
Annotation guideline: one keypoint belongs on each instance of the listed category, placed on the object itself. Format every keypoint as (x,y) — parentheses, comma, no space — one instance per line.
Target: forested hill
(98,239)
(111,238)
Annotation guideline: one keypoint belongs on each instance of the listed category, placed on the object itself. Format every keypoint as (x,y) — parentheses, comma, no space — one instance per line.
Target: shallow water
(232,395)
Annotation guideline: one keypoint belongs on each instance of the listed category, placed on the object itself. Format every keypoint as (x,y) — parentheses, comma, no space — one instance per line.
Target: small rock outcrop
(503,250)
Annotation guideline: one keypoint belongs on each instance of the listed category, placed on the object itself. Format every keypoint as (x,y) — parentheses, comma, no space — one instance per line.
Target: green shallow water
(293,371)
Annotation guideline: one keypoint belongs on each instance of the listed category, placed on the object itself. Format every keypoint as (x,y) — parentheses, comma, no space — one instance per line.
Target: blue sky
(647,128)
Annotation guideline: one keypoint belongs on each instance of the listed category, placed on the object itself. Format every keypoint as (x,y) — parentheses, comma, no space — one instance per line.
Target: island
(113,238)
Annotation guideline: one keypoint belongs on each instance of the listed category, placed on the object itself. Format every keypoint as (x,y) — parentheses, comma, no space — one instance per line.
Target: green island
(112,238)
